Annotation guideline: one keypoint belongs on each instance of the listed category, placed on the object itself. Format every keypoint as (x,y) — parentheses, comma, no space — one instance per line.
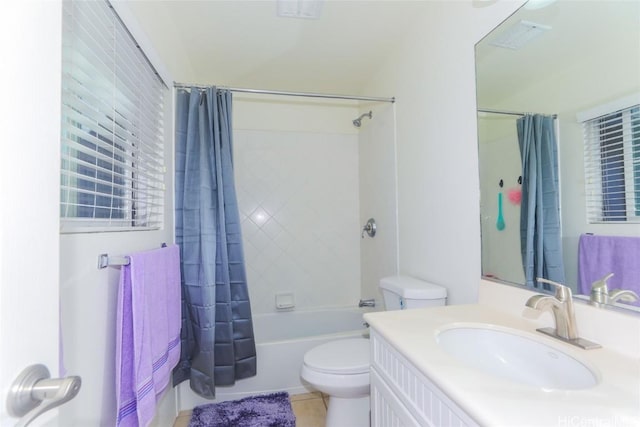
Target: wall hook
(520,180)
(501,183)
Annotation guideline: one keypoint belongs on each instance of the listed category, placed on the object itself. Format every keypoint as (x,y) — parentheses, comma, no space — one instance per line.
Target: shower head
(358,122)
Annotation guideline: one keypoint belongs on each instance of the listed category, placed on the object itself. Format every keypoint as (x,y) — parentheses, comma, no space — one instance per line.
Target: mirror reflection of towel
(601,255)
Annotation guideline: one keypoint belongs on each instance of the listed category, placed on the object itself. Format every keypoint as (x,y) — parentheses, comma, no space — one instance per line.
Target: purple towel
(148,332)
(601,255)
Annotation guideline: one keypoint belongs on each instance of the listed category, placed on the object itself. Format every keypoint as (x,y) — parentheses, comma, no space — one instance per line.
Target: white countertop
(492,401)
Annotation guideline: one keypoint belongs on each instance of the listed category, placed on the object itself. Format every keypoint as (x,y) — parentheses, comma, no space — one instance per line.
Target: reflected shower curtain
(218,345)
(540,233)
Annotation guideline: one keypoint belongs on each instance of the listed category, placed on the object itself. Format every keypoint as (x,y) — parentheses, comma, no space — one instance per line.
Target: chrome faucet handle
(600,290)
(369,228)
(625,295)
(601,294)
(601,285)
(562,292)
(561,306)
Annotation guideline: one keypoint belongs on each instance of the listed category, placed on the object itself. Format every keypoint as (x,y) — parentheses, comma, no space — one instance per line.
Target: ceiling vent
(306,9)
(520,34)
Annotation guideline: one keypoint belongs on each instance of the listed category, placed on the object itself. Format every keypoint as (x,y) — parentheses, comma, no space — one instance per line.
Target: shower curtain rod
(279,92)
(510,113)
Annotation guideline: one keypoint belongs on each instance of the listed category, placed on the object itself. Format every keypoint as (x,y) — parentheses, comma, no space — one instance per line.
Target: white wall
(499,158)
(296,169)
(88,295)
(378,184)
(432,76)
(88,298)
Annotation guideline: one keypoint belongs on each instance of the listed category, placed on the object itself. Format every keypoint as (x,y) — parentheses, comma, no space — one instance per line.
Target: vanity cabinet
(415,381)
(402,396)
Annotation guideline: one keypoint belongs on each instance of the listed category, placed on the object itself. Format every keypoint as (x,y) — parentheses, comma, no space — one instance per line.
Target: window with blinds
(612,166)
(112,175)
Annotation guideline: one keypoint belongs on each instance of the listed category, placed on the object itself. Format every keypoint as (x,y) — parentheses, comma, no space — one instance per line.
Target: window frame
(612,128)
(132,168)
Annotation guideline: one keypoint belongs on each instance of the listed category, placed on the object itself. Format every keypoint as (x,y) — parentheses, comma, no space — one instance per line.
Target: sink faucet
(600,293)
(622,295)
(561,306)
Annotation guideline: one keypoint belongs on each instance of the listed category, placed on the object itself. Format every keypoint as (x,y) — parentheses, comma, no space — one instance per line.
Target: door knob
(34,392)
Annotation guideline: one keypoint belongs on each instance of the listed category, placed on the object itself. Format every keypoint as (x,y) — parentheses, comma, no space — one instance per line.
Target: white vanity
(416,380)
(401,395)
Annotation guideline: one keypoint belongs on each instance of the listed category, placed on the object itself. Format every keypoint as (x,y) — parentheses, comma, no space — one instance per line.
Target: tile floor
(310,410)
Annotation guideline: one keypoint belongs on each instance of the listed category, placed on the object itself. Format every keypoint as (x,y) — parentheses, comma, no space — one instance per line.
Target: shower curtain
(540,233)
(217,342)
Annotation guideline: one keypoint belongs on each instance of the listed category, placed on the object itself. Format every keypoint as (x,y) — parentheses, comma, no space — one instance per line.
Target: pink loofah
(514,195)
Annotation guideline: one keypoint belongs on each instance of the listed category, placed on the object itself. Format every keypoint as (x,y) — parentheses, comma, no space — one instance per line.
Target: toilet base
(348,412)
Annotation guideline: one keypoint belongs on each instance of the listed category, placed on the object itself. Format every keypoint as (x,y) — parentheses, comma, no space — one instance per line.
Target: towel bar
(104,260)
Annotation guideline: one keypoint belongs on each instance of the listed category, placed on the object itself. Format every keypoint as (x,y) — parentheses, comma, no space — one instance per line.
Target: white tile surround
(378,183)
(298,199)
(307,181)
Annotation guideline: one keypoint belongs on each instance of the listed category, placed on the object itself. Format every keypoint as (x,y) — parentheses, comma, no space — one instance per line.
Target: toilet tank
(403,292)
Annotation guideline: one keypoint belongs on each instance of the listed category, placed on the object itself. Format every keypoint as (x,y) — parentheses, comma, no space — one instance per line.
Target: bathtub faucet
(367,303)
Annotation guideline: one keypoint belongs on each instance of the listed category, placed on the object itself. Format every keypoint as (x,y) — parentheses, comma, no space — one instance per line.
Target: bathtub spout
(367,303)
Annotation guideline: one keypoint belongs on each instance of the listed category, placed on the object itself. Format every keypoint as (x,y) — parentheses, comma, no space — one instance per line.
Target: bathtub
(282,339)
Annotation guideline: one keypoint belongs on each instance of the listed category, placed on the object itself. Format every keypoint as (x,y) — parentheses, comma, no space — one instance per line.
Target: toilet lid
(348,356)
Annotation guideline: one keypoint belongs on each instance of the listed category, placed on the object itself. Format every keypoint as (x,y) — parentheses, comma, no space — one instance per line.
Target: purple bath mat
(268,410)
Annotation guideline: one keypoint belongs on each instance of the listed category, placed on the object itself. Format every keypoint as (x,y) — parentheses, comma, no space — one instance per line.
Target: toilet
(340,368)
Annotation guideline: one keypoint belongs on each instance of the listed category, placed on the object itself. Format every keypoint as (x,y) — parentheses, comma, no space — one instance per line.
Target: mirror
(586,55)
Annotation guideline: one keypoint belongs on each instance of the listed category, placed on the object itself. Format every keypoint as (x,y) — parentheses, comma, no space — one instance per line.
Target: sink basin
(516,357)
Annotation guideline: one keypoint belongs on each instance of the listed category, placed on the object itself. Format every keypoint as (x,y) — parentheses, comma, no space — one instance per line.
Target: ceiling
(245,44)
(584,36)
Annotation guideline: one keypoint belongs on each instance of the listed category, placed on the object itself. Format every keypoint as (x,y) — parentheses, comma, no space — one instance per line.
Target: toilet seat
(340,357)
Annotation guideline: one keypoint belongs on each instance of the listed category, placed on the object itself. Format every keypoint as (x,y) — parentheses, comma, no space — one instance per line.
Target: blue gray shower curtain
(540,232)
(218,345)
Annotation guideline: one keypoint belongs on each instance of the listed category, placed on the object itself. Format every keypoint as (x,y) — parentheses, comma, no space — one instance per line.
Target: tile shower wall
(378,199)
(299,207)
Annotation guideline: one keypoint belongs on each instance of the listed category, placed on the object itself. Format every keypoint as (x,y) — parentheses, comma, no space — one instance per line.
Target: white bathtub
(282,339)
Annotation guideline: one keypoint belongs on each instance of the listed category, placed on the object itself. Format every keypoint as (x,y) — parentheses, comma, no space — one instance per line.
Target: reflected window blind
(612,166)
(112,175)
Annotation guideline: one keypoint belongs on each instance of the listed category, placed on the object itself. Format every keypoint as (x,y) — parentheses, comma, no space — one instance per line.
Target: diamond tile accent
(272,228)
(259,216)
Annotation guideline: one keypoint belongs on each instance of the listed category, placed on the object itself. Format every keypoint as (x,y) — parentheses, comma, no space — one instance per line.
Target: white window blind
(612,166)
(112,175)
